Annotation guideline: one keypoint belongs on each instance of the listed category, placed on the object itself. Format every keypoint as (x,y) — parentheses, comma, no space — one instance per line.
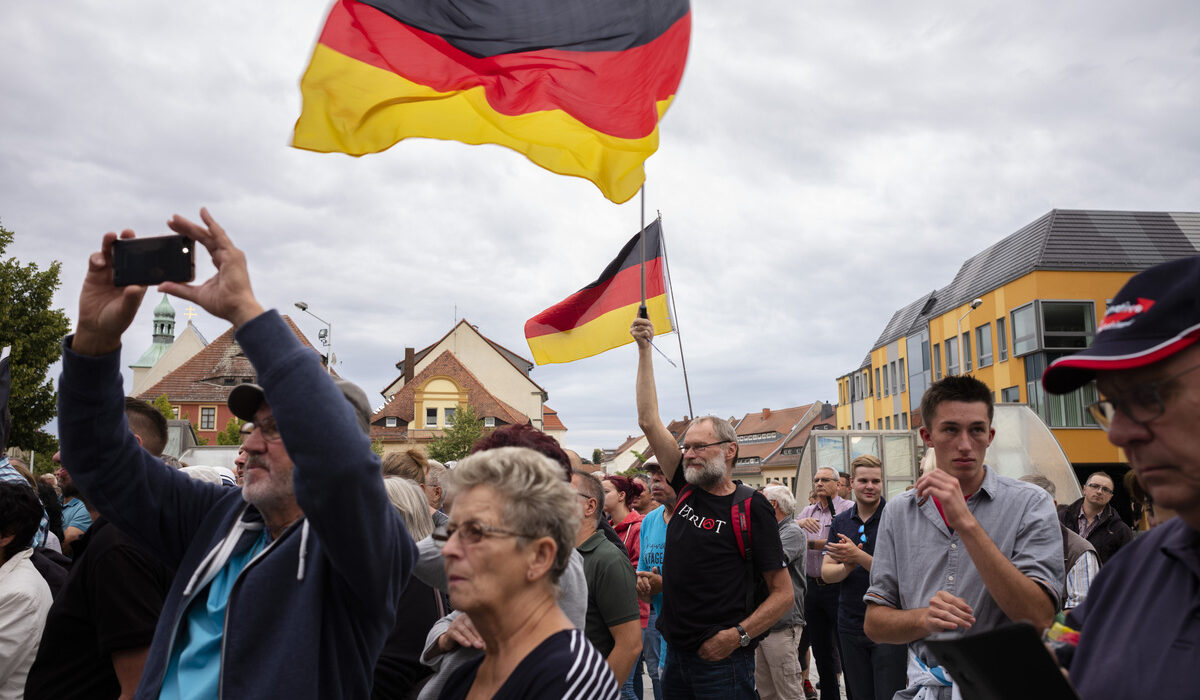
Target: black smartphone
(153,260)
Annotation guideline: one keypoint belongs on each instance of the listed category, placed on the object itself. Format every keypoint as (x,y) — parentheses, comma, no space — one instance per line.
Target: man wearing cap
(1142,611)
(286,587)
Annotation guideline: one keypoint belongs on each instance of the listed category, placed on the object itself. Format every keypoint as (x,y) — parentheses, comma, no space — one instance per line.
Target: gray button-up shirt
(916,555)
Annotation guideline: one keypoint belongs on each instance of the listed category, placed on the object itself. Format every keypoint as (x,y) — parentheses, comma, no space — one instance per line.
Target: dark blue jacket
(308,617)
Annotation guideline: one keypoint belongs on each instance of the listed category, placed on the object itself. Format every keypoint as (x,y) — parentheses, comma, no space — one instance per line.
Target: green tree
(597,456)
(35,332)
(231,434)
(456,441)
(163,404)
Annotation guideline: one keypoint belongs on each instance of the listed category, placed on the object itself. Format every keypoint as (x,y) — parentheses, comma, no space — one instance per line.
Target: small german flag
(597,317)
(578,86)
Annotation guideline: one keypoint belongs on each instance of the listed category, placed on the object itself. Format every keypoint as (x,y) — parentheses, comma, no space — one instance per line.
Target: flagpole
(662,238)
(642,312)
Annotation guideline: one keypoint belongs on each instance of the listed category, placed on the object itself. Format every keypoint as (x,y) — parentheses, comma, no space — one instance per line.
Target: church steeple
(163,337)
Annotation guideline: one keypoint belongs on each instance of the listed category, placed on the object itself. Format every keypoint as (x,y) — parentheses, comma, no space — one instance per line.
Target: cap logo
(1123,315)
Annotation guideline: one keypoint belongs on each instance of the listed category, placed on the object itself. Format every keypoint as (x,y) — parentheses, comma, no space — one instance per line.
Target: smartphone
(148,261)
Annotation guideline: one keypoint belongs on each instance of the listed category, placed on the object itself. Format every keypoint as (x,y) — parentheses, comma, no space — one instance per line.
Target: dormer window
(390,422)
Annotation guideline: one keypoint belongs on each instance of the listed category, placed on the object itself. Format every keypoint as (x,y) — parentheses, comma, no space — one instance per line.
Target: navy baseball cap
(245,399)
(1155,315)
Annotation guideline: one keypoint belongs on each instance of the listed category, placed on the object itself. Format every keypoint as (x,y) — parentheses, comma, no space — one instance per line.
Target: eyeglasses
(1102,489)
(472,532)
(268,430)
(1142,404)
(823,479)
(697,448)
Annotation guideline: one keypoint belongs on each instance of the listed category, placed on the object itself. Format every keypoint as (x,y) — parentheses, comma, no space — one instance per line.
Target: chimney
(766,413)
(409,360)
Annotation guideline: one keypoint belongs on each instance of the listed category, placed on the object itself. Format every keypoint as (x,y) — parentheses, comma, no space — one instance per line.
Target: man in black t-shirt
(101,624)
(722,548)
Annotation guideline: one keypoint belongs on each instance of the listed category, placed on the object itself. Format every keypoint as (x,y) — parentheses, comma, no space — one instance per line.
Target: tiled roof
(550,419)
(629,442)
(780,421)
(209,375)
(446,364)
(522,365)
(1063,239)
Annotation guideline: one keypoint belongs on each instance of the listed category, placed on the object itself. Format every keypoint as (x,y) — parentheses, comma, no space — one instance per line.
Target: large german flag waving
(578,86)
(597,317)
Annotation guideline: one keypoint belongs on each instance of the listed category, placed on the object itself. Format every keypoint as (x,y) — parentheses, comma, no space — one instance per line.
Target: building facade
(1034,296)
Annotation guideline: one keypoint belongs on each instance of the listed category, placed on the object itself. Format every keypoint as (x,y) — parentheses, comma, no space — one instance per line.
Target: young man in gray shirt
(967,549)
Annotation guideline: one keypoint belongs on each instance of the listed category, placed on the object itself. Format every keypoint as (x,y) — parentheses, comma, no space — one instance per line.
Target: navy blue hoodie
(308,616)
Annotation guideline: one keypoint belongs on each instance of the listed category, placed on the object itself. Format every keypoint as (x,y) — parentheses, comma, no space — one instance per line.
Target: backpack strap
(683,495)
(740,517)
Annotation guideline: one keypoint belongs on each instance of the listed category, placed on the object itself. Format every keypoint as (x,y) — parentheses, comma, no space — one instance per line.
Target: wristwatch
(745,640)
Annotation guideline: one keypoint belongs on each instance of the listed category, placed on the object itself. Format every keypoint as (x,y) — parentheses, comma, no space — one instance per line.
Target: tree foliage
(35,332)
(456,441)
(163,404)
(231,434)
(597,456)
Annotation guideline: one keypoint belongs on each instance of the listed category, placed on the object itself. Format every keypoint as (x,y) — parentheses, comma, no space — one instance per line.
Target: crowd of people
(314,569)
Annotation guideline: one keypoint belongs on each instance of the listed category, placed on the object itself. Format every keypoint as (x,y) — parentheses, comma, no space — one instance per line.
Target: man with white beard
(724,576)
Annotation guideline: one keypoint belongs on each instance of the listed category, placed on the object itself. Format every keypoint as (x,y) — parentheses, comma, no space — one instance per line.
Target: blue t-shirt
(75,514)
(194,670)
(851,608)
(653,541)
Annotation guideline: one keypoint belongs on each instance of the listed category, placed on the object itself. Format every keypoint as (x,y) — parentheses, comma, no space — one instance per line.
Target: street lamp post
(962,345)
(325,335)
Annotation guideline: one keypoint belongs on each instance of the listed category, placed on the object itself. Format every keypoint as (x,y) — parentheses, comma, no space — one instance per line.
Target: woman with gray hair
(399,672)
(511,532)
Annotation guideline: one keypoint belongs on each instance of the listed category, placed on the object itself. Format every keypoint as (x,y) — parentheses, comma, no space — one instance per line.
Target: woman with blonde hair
(399,672)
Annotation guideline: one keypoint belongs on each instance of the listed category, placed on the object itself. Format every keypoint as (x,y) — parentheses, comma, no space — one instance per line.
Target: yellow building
(1011,310)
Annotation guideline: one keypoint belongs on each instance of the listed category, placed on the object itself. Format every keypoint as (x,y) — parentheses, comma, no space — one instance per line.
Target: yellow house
(1011,310)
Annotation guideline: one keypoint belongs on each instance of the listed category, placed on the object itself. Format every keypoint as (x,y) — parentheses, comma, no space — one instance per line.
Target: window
(431,418)
(175,410)
(895,384)
(904,420)
(951,357)
(1002,339)
(1011,394)
(449,417)
(1066,325)
(983,342)
(902,384)
(937,361)
(879,421)
(208,418)
(966,349)
(877,385)
(489,422)
(1024,330)
(886,386)
(390,422)
(887,422)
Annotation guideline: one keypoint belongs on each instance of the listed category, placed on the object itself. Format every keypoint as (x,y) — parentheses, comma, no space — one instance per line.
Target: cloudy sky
(824,163)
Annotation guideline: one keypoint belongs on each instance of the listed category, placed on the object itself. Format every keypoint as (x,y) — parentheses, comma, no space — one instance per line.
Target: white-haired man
(722,542)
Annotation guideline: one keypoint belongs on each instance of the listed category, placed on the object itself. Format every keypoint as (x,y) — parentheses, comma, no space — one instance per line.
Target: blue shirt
(653,542)
(851,608)
(194,670)
(75,514)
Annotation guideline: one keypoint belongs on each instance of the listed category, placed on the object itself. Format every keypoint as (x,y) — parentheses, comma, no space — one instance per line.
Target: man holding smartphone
(287,587)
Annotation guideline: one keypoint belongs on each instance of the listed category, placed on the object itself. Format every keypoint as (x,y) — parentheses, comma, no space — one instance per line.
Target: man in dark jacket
(287,587)
(1095,520)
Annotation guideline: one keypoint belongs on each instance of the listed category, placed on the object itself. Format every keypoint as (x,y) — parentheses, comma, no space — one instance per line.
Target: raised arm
(666,450)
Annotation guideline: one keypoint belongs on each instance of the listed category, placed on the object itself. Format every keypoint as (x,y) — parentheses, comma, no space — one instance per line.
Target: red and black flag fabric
(597,317)
(578,86)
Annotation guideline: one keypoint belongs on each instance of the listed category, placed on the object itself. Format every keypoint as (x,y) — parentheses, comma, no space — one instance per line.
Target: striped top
(565,666)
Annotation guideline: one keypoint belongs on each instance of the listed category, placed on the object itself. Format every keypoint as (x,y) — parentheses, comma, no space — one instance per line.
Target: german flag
(597,317)
(578,86)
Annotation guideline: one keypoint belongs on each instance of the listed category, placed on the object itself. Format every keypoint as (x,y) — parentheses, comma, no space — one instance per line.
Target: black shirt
(110,603)
(563,667)
(704,574)
(851,608)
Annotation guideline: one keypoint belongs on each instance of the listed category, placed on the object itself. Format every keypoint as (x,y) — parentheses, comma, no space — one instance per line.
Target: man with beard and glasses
(723,573)
(75,517)
(287,587)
